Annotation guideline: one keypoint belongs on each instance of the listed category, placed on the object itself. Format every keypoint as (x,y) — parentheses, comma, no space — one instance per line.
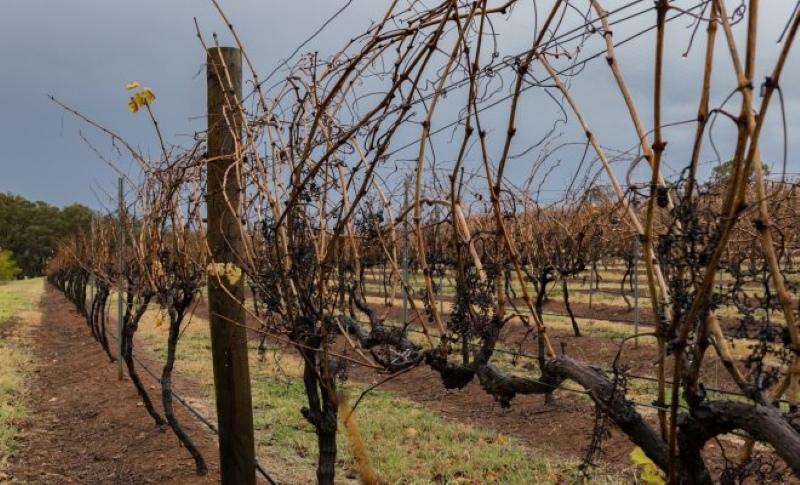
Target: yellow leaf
(230,271)
(650,473)
(145,96)
(132,85)
(233,273)
(653,476)
(638,457)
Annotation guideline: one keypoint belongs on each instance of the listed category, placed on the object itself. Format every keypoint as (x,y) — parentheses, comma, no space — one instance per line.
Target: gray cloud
(84,52)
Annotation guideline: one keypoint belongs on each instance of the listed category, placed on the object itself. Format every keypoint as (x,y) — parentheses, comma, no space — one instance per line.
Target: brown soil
(85,426)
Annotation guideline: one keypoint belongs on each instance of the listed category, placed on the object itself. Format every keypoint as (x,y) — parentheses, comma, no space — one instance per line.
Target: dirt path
(84,425)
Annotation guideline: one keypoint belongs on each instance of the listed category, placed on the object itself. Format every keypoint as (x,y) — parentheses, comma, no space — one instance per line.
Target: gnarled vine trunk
(131,324)
(175,319)
(322,413)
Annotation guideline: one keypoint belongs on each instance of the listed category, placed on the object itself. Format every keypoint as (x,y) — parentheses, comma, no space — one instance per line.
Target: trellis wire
(197,414)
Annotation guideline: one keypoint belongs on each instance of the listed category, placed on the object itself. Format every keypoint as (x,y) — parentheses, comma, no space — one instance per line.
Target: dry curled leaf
(650,473)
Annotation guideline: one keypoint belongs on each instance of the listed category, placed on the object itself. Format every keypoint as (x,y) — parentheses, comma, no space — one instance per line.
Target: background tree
(31,230)
(8,267)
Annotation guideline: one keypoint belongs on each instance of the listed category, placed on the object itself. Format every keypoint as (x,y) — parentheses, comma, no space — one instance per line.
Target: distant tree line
(29,232)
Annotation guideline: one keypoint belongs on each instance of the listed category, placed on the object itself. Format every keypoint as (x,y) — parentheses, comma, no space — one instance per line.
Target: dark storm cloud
(84,52)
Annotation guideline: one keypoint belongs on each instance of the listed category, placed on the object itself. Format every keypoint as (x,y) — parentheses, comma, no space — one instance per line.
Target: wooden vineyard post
(91,273)
(406,186)
(636,289)
(226,288)
(121,282)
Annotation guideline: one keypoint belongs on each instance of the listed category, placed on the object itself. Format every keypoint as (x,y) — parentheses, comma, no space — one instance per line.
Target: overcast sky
(85,51)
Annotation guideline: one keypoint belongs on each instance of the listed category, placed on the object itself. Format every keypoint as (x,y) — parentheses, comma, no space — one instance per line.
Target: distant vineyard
(365,241)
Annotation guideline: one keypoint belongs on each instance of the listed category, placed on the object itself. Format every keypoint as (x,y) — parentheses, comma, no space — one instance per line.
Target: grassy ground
(403,438)
(19,296)
(18,303)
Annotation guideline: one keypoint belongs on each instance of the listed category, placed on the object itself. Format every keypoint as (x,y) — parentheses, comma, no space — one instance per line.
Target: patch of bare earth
(86,426)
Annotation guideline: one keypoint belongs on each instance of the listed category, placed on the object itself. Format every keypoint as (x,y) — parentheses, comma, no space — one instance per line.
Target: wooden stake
(636,289)
(121,282)
(406,186)
(226,291)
